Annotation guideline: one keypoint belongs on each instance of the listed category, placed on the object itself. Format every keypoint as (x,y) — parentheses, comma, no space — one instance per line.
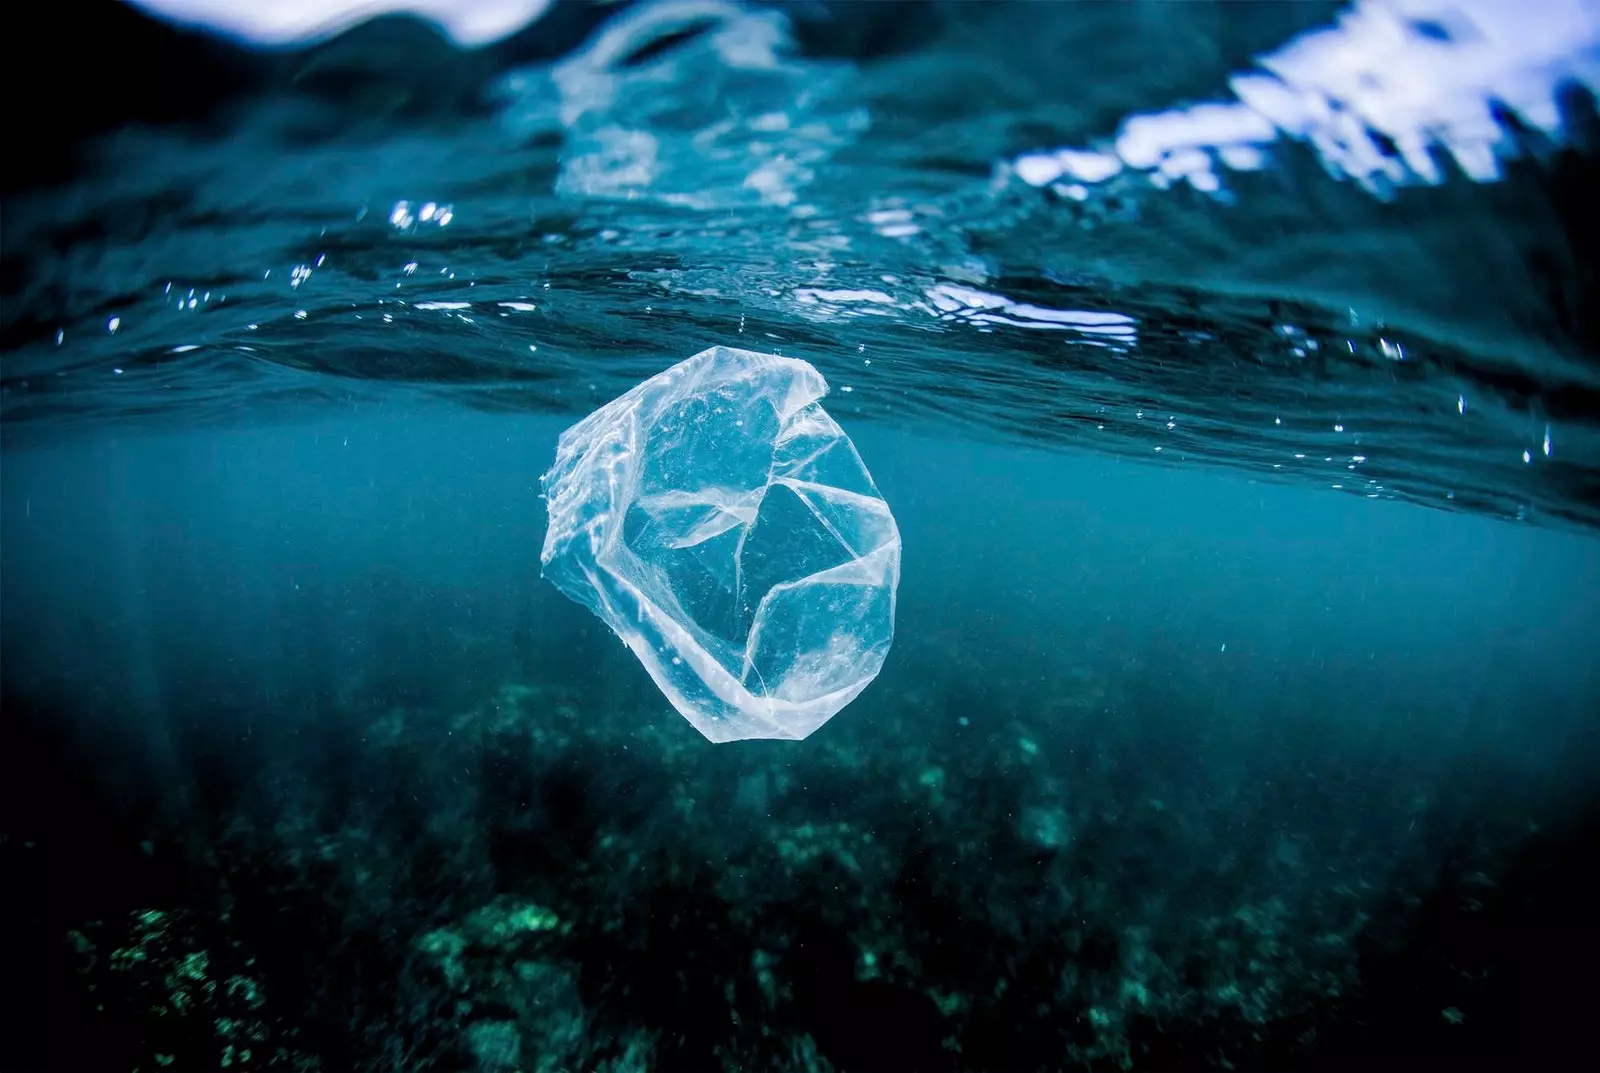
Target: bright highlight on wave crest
(980,307)
(954,303)
(1377,96)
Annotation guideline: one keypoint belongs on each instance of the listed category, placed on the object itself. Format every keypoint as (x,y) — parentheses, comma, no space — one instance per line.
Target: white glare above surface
(469,23)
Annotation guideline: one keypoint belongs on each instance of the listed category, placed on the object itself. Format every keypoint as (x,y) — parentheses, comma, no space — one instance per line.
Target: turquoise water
(1241,710)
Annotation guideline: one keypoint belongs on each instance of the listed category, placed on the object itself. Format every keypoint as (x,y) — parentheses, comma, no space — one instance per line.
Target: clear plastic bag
(724,526)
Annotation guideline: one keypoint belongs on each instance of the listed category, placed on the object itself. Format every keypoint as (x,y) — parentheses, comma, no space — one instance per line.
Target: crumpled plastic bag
(723,525)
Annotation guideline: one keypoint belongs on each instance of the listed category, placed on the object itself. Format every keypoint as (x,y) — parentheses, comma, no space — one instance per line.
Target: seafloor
(541,881)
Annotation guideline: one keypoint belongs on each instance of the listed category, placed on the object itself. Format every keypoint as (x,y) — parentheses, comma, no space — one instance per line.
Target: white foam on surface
(1378,95)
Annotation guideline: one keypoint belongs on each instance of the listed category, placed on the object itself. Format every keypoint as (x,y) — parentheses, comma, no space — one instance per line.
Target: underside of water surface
(1232,373)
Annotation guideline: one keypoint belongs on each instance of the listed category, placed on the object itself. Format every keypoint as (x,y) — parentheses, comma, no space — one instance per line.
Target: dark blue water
(1245,450)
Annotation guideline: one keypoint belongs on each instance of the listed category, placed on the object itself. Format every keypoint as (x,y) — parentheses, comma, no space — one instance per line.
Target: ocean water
(1232,372)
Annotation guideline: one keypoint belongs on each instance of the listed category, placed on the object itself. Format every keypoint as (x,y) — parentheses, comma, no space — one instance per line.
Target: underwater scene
(800,536)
